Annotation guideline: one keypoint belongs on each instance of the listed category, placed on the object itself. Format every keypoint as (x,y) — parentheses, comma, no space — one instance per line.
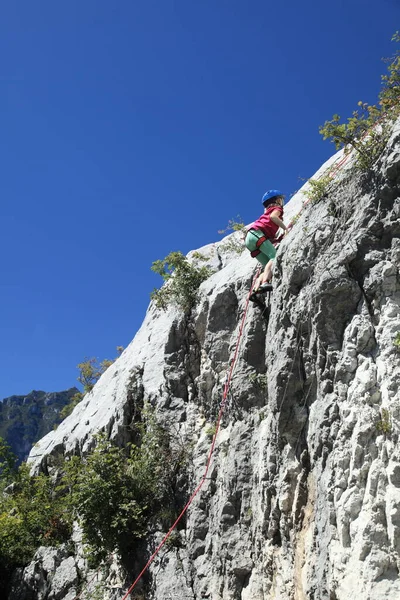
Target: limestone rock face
(302,498)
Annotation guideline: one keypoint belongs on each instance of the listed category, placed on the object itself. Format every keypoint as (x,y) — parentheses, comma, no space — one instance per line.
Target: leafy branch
(182,280)
(368,129)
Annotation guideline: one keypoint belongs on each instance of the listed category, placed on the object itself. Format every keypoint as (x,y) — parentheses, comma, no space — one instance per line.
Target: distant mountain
(26,419)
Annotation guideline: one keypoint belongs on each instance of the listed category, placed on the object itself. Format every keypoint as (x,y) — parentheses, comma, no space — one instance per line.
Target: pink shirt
(268,227)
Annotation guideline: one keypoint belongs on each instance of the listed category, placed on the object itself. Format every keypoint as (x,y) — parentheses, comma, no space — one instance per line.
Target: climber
(260,236)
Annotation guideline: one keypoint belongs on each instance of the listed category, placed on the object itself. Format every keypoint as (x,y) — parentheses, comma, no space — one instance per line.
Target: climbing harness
(260,241)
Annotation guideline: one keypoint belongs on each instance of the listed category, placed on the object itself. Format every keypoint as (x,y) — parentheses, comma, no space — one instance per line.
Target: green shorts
(267,250)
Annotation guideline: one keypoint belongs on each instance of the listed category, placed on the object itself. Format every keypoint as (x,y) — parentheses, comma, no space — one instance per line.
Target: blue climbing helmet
(270,195)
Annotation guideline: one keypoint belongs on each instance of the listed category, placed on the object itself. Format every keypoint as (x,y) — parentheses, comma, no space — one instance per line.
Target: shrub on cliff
(33,513)
(182,280)
(68,408)
(368,130)
(90,371)
(119,492)
(234,244)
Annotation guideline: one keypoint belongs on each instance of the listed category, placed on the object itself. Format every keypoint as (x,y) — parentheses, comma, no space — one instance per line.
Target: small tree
(183,280)
(368,130)
(119,492)
(363,132)
(90,371)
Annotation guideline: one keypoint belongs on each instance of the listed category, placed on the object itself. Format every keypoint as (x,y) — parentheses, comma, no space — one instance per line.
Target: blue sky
(130,129)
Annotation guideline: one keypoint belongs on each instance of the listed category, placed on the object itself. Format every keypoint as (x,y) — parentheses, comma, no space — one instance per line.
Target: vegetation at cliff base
(116,494)
(34,511)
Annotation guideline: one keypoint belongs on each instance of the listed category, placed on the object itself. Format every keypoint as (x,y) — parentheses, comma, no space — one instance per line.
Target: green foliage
(396,341)
(233,225)
(233,244)
(199,256)
(259,379)
(368,130)
(295,218)
(116,493)
(112,497)
(318,188)
(389,96)
(384,425)
(182,280)
(363,132)
(90,371)
(8,462)
(174,541)
(119,492)
(68,408)
(211,431)
(34,512)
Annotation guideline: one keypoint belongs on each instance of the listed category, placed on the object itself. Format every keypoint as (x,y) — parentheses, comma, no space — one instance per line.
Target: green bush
(233,225)
(368,130)
(90,371)
(34,511)
(363,132)
(120,492)
(8,463)
(183,280)
(211,430)
(384,424)
(116,493)
(396,341)
(68,408)
(113,496)
(260,380)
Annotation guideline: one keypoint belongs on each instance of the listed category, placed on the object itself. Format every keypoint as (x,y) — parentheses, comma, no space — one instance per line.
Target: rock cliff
(302,500)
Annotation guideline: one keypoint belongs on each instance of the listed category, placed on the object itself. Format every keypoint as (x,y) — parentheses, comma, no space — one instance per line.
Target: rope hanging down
(210,454)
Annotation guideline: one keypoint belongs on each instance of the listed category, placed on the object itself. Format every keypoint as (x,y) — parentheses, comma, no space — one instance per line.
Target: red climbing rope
(200,485)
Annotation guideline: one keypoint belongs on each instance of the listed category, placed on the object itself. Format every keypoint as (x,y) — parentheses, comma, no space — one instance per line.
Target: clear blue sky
(133,128)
